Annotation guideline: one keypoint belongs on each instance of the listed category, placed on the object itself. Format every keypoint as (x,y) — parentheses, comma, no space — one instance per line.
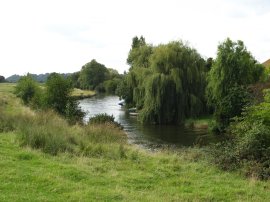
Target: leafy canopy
(232,71)
(26,88)
(92,74)
(165,82)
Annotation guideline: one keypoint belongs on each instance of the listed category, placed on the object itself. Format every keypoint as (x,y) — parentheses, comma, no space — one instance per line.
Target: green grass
(96,164)
(200,122)
(10,87)
(78,93)
(7,87)
(30,175)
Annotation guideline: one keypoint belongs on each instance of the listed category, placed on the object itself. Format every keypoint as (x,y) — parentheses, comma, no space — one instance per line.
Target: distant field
(9,87)
(82,93)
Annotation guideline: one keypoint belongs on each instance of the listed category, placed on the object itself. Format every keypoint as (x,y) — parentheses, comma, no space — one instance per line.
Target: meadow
(43,158)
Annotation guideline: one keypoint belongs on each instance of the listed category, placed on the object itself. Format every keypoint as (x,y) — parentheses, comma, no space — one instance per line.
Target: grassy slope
(30,175)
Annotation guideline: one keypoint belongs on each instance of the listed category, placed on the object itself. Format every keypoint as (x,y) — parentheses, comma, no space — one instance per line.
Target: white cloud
(57,35)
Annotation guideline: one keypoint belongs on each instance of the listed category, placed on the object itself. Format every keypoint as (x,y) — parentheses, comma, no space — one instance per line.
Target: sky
(40,36)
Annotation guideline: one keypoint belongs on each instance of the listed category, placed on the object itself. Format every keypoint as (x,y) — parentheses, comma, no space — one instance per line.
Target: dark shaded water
(150,136)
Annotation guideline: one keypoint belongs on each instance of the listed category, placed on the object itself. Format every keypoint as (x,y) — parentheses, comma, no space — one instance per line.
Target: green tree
(58,91)
(74,77)
(167,85)
(26,88)
(139,53)
(232,71)
(174,89)
(2,79)
(92,74)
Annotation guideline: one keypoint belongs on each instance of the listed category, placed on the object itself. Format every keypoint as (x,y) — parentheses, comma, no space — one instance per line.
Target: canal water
(149,136)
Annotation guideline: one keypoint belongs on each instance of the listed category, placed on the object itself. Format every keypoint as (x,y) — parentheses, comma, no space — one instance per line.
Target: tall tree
(166,82)
(92,74)
(175,88)
(139,53)
(232,71)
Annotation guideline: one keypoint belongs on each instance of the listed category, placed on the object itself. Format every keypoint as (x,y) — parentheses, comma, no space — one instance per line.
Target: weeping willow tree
(175,89)
(132,87)
(166,82)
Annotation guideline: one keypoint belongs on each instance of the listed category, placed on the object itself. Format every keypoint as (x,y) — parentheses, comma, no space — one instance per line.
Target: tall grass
(47,131)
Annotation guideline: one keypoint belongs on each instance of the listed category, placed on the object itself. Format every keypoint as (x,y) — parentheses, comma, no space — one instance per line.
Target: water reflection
(147,136)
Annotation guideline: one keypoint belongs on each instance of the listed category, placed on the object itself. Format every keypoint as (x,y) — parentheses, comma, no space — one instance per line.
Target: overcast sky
(40,36)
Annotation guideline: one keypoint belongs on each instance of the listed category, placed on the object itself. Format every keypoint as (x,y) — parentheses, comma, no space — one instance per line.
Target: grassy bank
(42,158)
(80,94)
(200,122)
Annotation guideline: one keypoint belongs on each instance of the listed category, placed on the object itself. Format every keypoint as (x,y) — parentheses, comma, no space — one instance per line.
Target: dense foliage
(56,96)
(58,91)
(250,144)
(96,76)
(103,118)
(92,74)
(26,89)
(232,71)
(165,82)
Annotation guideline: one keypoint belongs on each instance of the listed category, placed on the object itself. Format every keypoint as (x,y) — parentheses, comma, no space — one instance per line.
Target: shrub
(250,143)
(103,118)
(58,91)
(26,88)
(73,112)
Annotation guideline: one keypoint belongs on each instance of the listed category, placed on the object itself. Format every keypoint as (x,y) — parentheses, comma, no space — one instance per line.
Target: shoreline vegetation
(81,94)
(204,122)
(45,158)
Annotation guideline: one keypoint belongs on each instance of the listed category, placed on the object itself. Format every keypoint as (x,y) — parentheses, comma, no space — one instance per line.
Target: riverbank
(203,122)
(81,94)
(95,163)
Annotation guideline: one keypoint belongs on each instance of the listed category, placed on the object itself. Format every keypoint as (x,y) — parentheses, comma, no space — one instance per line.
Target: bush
(103,118)
(249,147)
(56,96)
(58,91)
(26,89)
(73,112)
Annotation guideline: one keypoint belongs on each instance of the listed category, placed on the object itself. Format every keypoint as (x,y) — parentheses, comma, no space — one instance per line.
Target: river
(149,136)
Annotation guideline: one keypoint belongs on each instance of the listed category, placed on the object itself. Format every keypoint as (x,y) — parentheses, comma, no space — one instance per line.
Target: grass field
(100,166)
(78,93)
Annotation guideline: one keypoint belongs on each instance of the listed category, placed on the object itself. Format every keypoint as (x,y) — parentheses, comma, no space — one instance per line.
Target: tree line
(171,82)
(96,76)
